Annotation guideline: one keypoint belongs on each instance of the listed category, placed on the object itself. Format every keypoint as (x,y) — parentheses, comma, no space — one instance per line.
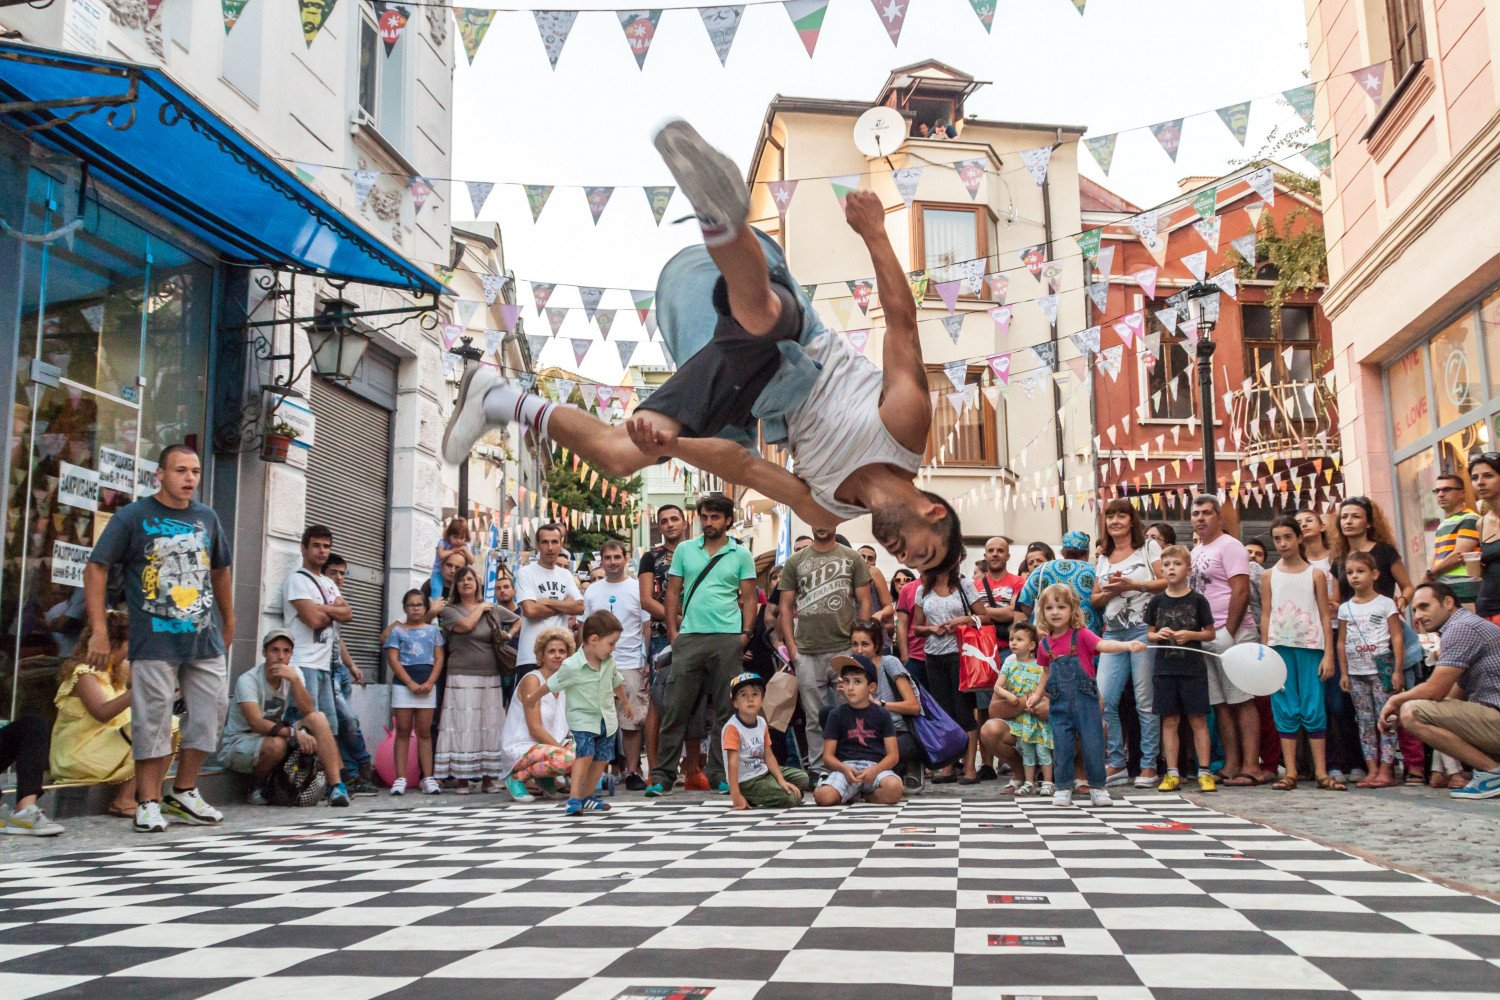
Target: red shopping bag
(978,658)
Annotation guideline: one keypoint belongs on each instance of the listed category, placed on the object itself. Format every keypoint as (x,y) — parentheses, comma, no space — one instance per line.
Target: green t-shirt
(588,693)
(825,584)
(715,606)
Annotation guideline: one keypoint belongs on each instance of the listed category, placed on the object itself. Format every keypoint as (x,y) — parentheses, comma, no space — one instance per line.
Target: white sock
(507,404)
(1174,772)
(1202,772)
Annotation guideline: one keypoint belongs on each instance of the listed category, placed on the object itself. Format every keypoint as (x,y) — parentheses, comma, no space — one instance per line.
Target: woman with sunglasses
(1484,474)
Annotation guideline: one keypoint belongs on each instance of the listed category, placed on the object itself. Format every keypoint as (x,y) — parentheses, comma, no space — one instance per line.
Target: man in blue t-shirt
(1073,569)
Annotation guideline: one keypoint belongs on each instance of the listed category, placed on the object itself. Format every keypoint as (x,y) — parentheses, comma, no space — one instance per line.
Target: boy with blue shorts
(859,742)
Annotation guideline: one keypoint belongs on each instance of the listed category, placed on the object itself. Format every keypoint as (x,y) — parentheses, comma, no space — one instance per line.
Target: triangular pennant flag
(306,172)
(1302,100)
(314,16)
(535,344)
(1001,315)
(1236,118)
(858,339)
(1034,258)
(650,324)
(1106,262)
(1000,365)
(918,282)
(1109,360)
(1206,202)
(1046,353)
(464,310)
(1089,243)
(421,190)
(861,291)
(1263,181)
(580,349)
(536,197)
(1227,283)
(473,23)
(1245,247)
(509,313)
(1080,5)
(906,180)
(892,17)
(597,198)
(1028,385)
(1166,317)
(1048,305)
(554,27)
(364,183)
(1052,275)
(1209,230)
(640,28)
(843,309)
(973,275)
(541,291)
(1371,80)
(591,298)
(954,324)
(642,300)
(957,372)
(493,284)
(605,318)
(390,22)
(843,185)
(445,275)
(985,11)
(604,393)
(1320,155)
(1035,161)
(232,9)
(971,172)
(781,194)
(999,286)
(807,19)
(479,193)
(948,292)
(956,400)
(1102,149)
(722,23)
(1197,264)
(1087,341)
(627,351)
(555,319)
(1123,331)
(993,393)
(658,197)
(1098,292)
(1146,278)
(1169,134)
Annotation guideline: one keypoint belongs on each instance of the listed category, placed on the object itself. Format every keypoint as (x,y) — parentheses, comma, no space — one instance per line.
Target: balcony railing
(1286,418)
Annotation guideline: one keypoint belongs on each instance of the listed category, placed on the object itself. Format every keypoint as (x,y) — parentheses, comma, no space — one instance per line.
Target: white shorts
(848,790)
(637,696)
(1221,690)
(401,697)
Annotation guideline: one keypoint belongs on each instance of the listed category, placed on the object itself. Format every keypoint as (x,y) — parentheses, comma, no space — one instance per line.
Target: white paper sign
(116,470)
(83,26)
(68,562)
(78,487)
(145,478)
(301,419)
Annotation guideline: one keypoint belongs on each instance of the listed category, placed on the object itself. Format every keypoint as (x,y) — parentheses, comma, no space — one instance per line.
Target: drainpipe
(1062,511)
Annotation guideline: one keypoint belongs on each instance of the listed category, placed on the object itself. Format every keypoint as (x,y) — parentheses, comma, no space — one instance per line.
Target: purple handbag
(941,739)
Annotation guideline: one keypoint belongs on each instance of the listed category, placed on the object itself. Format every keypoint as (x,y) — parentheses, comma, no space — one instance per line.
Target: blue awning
(157,143)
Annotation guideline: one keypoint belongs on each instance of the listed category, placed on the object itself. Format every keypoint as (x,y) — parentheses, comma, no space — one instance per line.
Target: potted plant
(277,442)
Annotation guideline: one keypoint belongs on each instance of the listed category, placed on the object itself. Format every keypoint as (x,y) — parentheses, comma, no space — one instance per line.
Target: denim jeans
(352,747)
(1076,721)
(1114,670)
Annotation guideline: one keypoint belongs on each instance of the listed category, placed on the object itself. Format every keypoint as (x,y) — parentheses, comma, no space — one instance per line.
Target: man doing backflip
(856,433)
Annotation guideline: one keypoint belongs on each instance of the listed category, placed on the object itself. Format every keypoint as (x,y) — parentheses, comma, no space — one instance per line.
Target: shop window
(1420,513)
(1408,37)
(945,236)
(980,429)
(1489,335)
(1456,388)
(1411,409)
(1455,450)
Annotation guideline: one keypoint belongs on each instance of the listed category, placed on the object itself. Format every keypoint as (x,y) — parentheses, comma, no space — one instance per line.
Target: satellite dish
(880,131)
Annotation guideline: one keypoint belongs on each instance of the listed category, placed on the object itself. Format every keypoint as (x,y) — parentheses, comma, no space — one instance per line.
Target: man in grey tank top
(737,324)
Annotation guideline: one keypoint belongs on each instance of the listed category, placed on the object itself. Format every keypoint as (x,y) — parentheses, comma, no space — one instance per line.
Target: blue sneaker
(656,791)
(722,788)
(518,790)
(606,786)
(573,807)
(338,795)
(1483,785)
(595,804)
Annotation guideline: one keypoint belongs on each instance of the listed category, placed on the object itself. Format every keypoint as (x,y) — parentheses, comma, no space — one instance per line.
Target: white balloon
(1254,669)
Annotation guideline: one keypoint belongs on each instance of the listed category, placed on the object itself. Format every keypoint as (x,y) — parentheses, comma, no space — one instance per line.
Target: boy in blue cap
(755,777)
(859,742)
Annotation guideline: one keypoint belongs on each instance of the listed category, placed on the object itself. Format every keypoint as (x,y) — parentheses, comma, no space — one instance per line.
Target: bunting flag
(421,190)
(971,172)
(861,290)
(1046,353)
(1087,341)
(473,22)
(1109,360)
(314,16)
(1089,243)
(1052,274)
(1048,305)
(1146,222)
(1302,100)
(918,282)
(390,22)
(1197,264)
(1263,181)
(1036,161)
(858,339)
(1206,202)
(1098,292)
(906,180)
(555,318)
(722,24)
(999,285)
(493,284)
(554,26)
(973,272)
(650,324)
(954,324)
(306,172)
(1146,278)
(1028,385)
(1106,262)
(658,198)
(591,298)
(1102,149)
(1320,155)
(948,292)
(892,17)
(445,275)
(958,373)
(509,313)
(643,300)
(541,291)
(1209,229)
(1371,80)
(605,318)
(1001,315)
(597,198)
(1080,5)
(1236,118)
(807,20)
(1245,247)
(580,347)
(843,185)
(536,197)
(1169,134)
(1227,283)
(364,183)
(232,9)
(1166,317)
(479,193)
(627,351)
(1000,365)
(1034,258)
(781,194)
(985,11)
(640,28)
(535,344)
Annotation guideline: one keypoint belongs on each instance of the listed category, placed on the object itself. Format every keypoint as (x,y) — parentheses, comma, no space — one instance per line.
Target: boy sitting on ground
(859,742)
(755,777)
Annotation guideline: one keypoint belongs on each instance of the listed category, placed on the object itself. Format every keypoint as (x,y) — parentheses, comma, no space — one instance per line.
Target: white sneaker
(1120,777)
(30,822)
(1099,799)
(189,807)
(148,818)
(1062,797)
(430,786)
(1141,781)
(1046,788)
(1026,788)
(398,787)
(468,422)
(709,179)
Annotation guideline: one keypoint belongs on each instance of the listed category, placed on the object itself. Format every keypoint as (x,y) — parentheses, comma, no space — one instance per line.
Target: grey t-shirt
(890,669)
(252,685)
(470,653)
(168,556)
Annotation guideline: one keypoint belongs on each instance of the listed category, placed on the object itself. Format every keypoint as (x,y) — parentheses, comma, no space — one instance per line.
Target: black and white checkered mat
(932,898)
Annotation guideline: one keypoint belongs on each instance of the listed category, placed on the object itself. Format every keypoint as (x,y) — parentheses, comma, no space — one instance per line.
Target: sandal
(114,810)
(1331,784)
(1413,778)
(1457,780)
(944,779)
(1242,781)
(1285,783)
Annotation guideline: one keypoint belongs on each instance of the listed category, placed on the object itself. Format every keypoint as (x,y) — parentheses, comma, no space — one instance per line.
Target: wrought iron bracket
(82,105)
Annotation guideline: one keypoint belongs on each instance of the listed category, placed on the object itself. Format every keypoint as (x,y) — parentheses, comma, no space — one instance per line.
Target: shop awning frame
(143,133)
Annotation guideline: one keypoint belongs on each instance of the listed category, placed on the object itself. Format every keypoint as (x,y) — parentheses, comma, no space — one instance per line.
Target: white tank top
(515,734)
(1294,617)
(838,429)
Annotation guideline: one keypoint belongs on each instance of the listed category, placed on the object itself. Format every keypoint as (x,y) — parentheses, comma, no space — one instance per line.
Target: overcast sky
(1124,65)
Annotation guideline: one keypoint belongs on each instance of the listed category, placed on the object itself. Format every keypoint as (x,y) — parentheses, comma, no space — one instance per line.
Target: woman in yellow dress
(91,737)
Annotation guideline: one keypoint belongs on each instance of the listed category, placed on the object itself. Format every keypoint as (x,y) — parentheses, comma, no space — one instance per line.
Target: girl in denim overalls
(1066,653)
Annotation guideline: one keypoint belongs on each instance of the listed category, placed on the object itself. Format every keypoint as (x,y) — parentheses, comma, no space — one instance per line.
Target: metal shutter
(348,489)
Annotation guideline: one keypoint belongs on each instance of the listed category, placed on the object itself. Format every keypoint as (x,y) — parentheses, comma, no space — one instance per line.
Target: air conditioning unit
(360,117)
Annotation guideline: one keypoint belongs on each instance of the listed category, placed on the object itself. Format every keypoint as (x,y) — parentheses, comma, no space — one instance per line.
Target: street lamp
(471,356)
(1203,315)
(337,347)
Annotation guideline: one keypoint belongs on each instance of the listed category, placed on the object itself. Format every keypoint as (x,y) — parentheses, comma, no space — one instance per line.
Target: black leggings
(24,744)
(942,681)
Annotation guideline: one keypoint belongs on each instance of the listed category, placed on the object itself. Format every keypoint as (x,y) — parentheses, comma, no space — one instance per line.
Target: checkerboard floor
(932,898)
